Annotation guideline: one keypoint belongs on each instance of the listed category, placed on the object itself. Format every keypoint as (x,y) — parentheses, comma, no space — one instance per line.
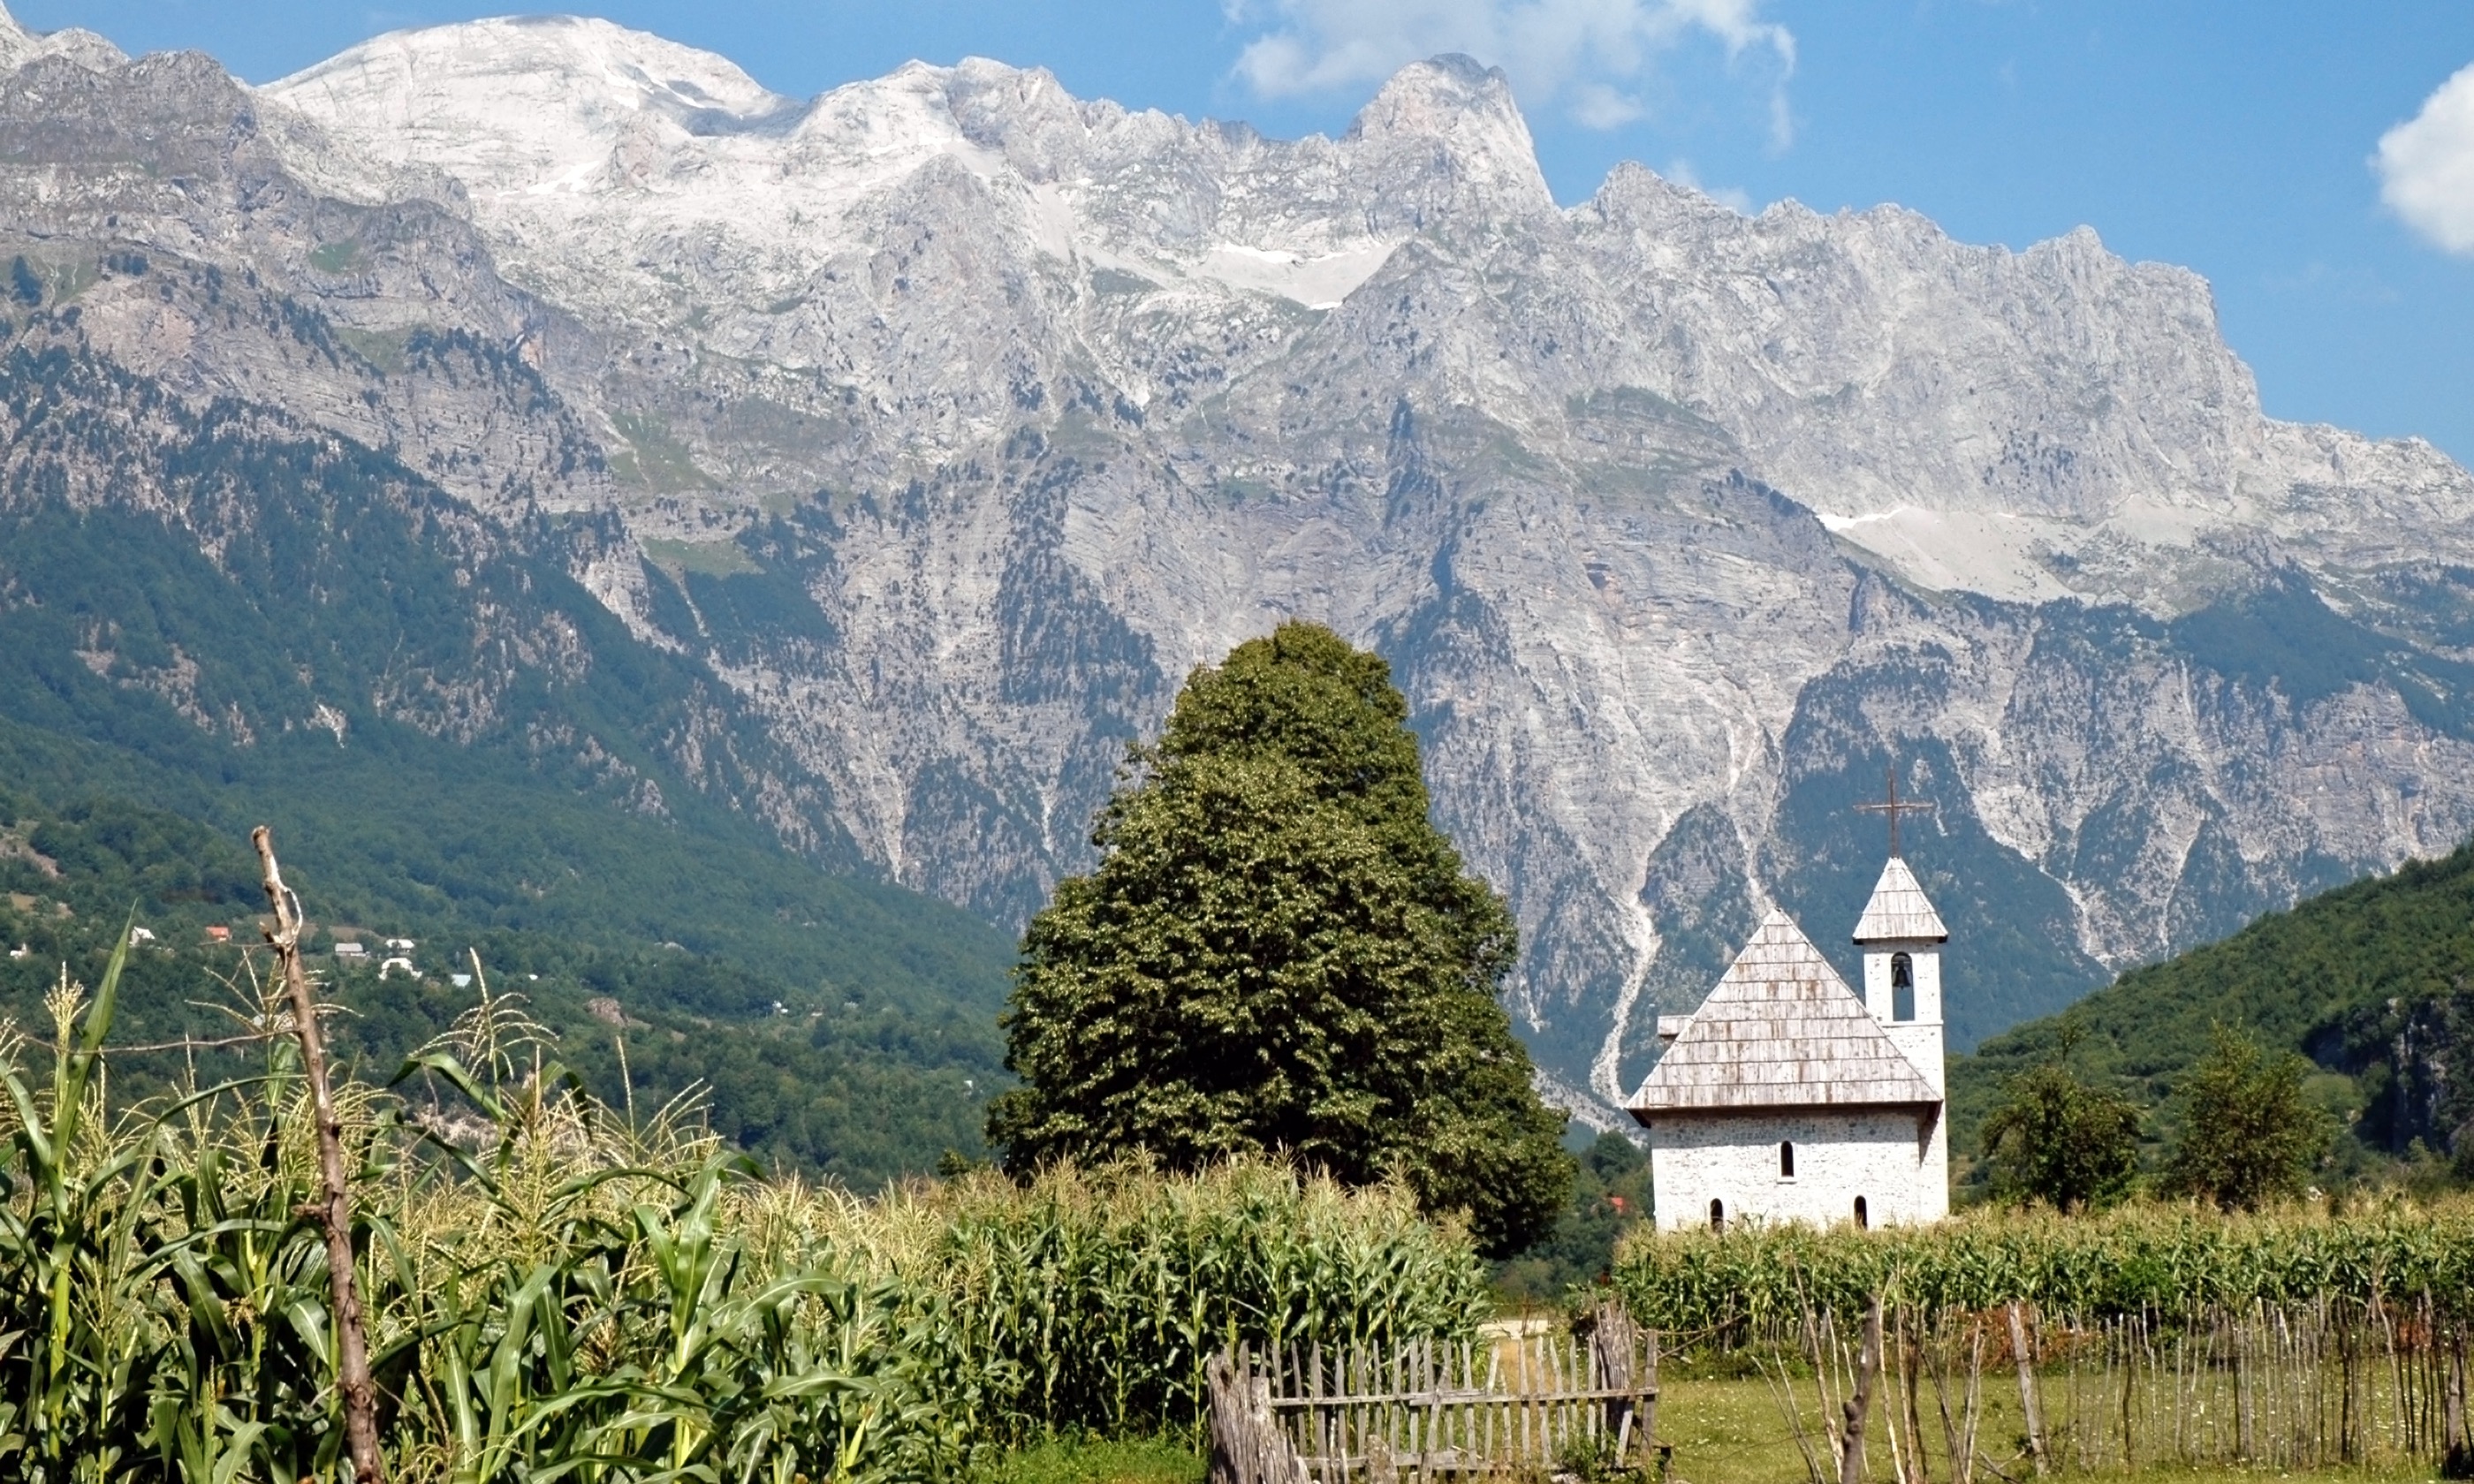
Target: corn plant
(2141,1258)
(554,1292)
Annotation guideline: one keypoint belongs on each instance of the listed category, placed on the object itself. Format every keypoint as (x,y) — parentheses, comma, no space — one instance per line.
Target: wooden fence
(1966,1396)
(1540,1403)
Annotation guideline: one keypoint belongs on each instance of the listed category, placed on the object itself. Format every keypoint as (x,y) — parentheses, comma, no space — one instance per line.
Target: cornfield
(2142,1336)
(2137,1259)
(556,1290)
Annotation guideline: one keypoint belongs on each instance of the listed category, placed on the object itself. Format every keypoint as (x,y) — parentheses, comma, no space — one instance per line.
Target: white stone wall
(1899,1169)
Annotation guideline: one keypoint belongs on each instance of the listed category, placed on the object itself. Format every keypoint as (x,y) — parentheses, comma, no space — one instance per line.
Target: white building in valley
(1784,1098)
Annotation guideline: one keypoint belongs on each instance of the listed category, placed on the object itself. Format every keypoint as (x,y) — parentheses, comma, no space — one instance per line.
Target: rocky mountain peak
(514,102)
(1454,122)
(19,45)
(952,418)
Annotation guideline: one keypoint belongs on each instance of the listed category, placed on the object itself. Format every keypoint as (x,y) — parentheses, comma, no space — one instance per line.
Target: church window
(1902,986)
(1863,1220)
(1717,1215)
(1787,1159)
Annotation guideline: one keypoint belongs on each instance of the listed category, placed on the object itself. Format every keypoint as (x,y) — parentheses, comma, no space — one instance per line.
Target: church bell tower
(1902,938)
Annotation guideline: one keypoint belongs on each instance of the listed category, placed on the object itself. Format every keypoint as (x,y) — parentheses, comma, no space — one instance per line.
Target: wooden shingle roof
(1781,1030)
(1900,910)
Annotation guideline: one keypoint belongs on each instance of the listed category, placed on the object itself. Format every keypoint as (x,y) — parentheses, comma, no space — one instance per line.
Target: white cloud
(1593,54)
(1600,106)
(1734,197)
(2426,166)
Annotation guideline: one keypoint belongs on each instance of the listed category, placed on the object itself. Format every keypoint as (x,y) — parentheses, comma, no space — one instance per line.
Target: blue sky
(2237,138)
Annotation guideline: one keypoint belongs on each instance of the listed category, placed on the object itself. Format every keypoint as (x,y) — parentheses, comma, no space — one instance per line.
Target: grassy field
(1727,1430)
(1076,1459)
(1724,1429)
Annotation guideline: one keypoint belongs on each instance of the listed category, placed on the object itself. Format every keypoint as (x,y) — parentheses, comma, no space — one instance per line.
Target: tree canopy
(1279,952)
(2060,1140)
(2248,1133)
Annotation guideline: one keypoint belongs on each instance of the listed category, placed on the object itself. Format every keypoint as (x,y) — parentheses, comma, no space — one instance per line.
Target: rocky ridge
(953,418)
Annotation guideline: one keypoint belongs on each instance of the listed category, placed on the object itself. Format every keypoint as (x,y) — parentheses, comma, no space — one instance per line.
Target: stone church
(1784,1098)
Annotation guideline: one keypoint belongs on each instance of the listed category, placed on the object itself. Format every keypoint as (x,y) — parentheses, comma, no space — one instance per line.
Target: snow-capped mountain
(954,418)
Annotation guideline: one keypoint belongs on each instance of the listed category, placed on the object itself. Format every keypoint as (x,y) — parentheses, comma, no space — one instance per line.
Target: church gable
(1898,910)
(1782,1030)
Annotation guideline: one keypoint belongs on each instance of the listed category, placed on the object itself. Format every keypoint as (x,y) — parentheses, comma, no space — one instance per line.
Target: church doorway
(1787,1159)
(1864,1218)
(1717,1215)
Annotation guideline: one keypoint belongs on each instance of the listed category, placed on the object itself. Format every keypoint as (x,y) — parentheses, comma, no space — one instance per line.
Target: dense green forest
(2373,981)
(846,1063)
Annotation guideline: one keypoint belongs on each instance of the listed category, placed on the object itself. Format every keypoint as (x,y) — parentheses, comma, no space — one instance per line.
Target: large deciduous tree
(1278,951)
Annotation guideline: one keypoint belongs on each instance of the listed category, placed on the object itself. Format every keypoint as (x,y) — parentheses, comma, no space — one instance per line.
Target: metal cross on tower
(1894,807)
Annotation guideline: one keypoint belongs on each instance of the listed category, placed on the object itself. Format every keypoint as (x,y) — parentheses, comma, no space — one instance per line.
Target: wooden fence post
(2026,1355)
(1868,1373)
(1612,1339)
(1247,1444)
(1912,1365)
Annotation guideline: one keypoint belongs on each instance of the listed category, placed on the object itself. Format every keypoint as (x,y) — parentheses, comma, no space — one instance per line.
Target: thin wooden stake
(1868,1371)
(2027,1359)
(354,1385)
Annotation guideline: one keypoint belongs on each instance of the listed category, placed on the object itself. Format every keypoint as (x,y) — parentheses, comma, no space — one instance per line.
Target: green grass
(1724,1430)
(712,558)
(383,349)
(658,460)
(1075,1458)
(335,257)
(1727,1430)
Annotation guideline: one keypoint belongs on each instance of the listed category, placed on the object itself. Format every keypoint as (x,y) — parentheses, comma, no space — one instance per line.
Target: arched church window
(1786,1158)
(1902,986)
(1717,1215)
(1864,1218)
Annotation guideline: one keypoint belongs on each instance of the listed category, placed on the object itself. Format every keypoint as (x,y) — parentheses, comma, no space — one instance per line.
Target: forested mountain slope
(2373,981)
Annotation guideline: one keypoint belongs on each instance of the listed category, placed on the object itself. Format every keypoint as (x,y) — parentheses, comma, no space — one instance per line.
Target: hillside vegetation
(875,1062)
(2373,981)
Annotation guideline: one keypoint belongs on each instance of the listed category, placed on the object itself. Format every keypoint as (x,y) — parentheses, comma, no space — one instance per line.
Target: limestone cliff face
(953,419)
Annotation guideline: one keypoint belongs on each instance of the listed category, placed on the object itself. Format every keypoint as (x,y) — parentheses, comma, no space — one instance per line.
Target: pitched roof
(1781,1030)
(1898,909)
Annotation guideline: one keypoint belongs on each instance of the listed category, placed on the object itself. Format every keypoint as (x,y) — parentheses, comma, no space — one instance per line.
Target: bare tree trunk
(359,1393)
(1868,1372)
(2021,1352)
